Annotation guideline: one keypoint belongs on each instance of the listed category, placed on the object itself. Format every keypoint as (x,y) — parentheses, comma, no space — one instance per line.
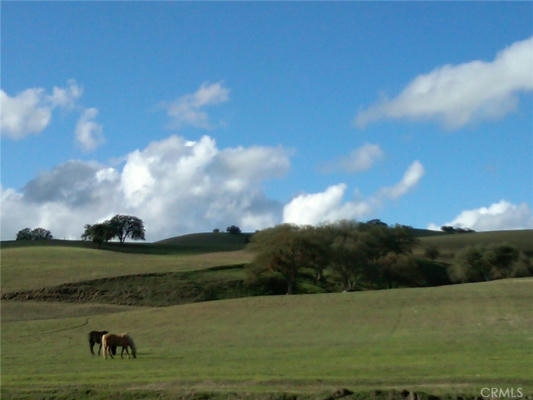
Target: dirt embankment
(155,289)
(341,394)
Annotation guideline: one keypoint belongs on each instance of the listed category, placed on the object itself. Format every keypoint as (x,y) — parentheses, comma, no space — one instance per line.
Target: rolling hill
(446,340)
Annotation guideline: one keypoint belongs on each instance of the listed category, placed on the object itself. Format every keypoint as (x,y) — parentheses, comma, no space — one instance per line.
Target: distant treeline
(348,255)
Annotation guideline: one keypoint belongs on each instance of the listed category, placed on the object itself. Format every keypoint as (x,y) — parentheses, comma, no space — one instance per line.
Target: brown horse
(109,340)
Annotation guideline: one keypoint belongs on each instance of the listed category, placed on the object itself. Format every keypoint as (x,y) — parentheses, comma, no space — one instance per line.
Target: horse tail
(132,345)
(104,346)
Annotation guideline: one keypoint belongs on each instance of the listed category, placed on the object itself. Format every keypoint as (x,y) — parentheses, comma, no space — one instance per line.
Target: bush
(476,263)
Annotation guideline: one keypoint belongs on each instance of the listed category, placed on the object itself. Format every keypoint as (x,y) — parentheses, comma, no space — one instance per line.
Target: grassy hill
(451,243)
(456,338)
(449,339)
(208,241)
(33,267)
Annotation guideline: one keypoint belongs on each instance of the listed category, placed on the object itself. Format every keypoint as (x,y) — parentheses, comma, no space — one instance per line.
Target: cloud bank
(188,110)
(329,206)
(498,216)
(458,94)
(174,185)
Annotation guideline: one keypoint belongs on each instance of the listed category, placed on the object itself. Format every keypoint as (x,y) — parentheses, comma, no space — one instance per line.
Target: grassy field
(459,337)
(449,339)
(449,244)
(34,267)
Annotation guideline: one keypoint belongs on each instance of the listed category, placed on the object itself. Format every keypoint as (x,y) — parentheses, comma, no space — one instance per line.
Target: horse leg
(91,344)
(99,348)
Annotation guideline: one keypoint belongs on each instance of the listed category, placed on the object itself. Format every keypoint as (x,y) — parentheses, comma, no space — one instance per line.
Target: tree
(394,268)
(452,229)
(315,249)
(349,258)
(24,234)
(483,263)
(36,234)
(233,229)
(125,226)
(279,249)
(41,234)
(98,233)
(501,258)
(470,265)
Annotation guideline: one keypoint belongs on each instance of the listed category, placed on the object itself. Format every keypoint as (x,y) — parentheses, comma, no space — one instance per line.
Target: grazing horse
(109,340)
(94,338)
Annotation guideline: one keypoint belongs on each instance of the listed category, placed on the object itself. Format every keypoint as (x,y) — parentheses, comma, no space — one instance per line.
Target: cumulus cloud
(30,111)
(359,159)
(458,94)
(89,134)
(174,185)
(188,110)
(329,206)
(498,216)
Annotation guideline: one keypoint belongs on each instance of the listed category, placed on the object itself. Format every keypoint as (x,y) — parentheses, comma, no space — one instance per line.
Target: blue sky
(194,116)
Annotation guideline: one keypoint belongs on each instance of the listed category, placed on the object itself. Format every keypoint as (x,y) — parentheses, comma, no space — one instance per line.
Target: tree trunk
(289,287)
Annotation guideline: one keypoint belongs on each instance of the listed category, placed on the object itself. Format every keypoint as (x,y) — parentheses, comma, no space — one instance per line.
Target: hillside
(208,241)
(34,267)
(450,243)
(444,339)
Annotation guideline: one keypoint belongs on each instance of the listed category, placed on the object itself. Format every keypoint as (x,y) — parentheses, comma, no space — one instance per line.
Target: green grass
(32,267)
(208,241)
(451,243)
(37,310)
(161,289)
(460,337)
(452,339)
(191,243)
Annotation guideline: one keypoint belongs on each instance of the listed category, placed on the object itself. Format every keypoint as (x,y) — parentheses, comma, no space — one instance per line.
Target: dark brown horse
(95,337)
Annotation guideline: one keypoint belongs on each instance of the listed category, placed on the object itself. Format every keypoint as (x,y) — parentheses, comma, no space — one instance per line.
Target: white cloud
(188,110)
(410,179)
(65,97)
(329,206)
(23,114)
(498,216)
(89,134)
(359,159)
(30,111)
(174,185)
(458,94)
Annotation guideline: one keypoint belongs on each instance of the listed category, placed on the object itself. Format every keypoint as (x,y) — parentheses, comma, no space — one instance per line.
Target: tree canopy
(353,252)
(120,227)
(35,234)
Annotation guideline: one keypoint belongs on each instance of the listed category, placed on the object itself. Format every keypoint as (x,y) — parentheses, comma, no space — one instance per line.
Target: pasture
(449,244)
(456,338)
(33,267)
(451,339)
